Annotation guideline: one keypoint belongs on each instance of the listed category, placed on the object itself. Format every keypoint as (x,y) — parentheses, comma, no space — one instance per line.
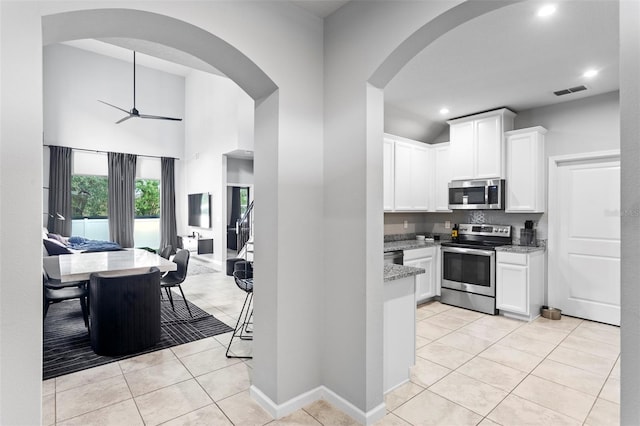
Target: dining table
(80,266)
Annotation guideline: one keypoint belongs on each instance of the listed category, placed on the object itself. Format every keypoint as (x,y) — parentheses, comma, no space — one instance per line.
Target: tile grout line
(556,345)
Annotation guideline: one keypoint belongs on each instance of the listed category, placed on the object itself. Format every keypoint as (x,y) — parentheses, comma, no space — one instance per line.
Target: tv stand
(193,244)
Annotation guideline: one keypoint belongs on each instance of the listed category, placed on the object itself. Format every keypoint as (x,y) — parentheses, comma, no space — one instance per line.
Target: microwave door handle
(486,195)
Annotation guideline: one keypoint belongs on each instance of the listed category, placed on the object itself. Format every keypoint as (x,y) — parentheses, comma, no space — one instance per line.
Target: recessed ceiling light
(590,73)
(546,10)
(444,111)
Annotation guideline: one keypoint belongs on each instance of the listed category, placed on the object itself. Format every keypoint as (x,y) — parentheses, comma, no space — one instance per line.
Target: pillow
(54,247)
(45,232)
(58,238)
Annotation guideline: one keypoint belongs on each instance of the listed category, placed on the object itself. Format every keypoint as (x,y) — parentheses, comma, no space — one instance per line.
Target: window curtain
(122,196)
(235,206)
(168,233)
(60,190)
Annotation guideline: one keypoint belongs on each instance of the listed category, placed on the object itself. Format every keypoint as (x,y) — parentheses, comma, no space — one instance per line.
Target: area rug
(198,267)
(67,347)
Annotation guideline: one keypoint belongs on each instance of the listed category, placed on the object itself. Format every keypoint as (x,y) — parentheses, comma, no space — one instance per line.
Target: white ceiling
(511,58)
(507,58)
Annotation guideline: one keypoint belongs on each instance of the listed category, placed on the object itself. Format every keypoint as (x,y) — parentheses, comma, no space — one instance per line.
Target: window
(89,197)
(147,198)
(244,200)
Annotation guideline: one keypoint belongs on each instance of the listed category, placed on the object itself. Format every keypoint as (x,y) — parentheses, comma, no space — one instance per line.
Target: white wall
(215,131)
(74,80)
(584,125)
(20,214)
(630,221)
(239,171)
(358,38)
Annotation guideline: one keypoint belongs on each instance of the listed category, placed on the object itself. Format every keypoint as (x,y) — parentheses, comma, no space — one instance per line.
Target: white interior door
(584,239)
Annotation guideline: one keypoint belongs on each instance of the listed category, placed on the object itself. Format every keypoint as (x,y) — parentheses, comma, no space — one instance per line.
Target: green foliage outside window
(89,197)
(147,198)
(244,200)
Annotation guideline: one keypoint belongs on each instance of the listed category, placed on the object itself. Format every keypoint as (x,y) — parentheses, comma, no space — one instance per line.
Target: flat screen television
(200,210)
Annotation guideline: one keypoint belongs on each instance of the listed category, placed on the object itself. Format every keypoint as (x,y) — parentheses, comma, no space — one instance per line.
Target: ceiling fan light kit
(134,113)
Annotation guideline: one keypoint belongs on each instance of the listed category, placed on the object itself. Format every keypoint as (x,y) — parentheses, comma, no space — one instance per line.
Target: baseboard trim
(278,411)
(292,405)
(365,418)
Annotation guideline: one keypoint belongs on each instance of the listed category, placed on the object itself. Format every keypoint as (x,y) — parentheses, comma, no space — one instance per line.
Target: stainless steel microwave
(477,194)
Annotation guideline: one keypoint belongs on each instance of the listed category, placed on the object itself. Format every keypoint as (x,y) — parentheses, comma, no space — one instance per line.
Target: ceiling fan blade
(159,117)
(125,118)
(134,112)
(113,106)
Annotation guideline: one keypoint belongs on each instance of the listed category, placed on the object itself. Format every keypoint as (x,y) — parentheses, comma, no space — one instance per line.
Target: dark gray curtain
(60,190)
(122,196)
(235,206)
(168,233)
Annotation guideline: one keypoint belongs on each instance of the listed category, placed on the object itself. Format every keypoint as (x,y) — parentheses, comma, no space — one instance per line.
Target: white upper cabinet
(416,175)
(443,174)
(412,168)
(525,176)
(388,168)
(477,144)
(462,151)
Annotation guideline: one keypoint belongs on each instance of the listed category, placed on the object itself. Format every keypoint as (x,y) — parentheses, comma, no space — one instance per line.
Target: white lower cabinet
(424,258)
(520,284)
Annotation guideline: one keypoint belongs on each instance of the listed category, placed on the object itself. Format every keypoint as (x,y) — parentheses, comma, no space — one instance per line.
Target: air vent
(571,90)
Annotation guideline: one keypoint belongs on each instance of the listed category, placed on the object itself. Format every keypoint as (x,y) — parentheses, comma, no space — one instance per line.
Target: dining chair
(166,251)
(125,312)
(55,291)
(177,277)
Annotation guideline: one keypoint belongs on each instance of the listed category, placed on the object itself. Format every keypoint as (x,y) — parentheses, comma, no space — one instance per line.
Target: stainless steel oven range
(469,266)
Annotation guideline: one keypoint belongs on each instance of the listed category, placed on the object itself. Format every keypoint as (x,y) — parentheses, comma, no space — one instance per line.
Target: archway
(161,29)
(188,38)
(629,16)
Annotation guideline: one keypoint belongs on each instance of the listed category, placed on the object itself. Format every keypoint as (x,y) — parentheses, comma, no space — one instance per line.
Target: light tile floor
(471,369)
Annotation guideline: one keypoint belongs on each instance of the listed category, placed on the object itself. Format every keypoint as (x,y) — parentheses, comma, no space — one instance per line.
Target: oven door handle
(463,250)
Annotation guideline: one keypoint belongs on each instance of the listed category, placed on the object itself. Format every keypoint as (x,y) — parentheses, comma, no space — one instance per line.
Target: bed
(55,244)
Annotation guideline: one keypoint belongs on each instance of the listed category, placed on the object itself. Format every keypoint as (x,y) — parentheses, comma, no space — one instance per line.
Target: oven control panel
(488,230)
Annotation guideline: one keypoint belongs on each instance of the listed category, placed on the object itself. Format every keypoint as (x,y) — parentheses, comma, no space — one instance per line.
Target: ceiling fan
(134,112)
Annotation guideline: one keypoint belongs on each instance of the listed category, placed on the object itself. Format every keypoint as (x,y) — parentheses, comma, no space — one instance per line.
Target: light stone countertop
(520,249)
(396,272)
(408,245)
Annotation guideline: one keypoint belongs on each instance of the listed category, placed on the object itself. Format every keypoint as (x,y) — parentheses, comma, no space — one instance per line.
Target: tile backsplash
(434,223)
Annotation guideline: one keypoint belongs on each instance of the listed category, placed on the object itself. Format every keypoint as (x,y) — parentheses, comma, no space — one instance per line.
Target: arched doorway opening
(183,36)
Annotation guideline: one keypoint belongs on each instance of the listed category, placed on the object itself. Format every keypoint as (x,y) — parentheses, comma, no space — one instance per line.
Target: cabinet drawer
(512,258)
(419,253)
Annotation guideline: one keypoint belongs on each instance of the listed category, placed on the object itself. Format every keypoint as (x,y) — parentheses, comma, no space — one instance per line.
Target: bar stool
(243,276)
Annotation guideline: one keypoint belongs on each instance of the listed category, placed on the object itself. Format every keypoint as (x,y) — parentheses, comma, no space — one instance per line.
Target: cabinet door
(525,172)
(403,192)
(420,182)
(388,167)
(488,147)
(521,175)
(512,288)
(425,283)
(462,150)
(442,177)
